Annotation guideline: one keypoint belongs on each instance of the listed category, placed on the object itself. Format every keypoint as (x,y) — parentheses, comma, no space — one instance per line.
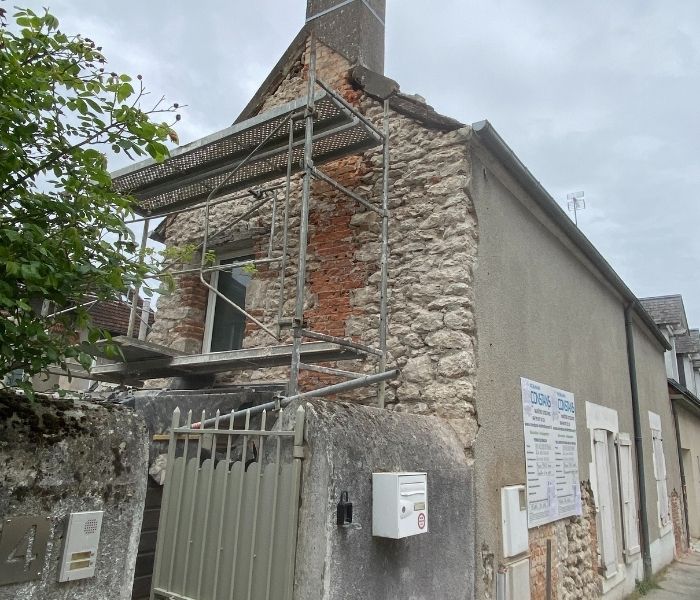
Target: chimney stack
(354,28)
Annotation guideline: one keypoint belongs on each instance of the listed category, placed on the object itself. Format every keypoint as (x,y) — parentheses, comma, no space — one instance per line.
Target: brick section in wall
(679,531)
(539,536)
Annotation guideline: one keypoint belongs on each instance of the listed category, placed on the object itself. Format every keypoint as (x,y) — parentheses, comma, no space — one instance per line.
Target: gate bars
(264,197)
(228,525)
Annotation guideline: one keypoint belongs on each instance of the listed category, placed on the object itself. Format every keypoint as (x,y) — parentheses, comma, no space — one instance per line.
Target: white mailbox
(82,539)
(399,504)
(514,520)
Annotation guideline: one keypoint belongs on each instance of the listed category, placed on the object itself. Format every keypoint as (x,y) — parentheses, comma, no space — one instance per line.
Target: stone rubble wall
(433,243)
(62,456)
(574,555)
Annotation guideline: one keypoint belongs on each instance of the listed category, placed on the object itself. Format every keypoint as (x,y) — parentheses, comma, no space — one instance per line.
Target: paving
(681,580)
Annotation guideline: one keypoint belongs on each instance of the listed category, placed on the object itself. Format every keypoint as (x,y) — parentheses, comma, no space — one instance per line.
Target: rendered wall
(60,457)
(346,443)
(542,313)
(653,396)
(689,426)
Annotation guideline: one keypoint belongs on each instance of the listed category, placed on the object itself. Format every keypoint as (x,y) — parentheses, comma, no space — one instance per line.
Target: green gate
(228,524)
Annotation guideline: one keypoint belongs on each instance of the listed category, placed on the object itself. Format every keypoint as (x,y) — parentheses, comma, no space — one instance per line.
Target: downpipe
(638,448)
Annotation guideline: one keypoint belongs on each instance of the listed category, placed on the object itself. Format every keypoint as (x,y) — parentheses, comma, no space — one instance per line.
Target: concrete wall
(542,312)
(689,427)
(346,444)
(60,457)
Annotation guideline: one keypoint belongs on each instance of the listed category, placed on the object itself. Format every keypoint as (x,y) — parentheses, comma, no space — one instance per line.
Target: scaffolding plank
(218,362)
(134,349)
(193,171)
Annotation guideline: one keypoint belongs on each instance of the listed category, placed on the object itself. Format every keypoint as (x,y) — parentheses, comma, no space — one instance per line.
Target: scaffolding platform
(294,138)
(257,150)
(155,367)
(133,349)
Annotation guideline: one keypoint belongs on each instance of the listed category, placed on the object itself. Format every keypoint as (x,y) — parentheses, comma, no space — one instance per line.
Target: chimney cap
(354,28)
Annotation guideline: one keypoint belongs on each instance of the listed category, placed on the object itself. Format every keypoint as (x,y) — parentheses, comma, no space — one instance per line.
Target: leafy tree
(62,234)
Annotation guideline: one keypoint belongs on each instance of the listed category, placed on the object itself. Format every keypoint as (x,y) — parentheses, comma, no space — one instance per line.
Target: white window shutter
(660,475)
(608,545)
(627,495)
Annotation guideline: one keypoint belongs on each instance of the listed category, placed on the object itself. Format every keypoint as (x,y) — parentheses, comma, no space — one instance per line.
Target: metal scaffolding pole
(137,288)
(361,381)
(298,323)
(384,261)
(327,117)
(205,240)
(285,229)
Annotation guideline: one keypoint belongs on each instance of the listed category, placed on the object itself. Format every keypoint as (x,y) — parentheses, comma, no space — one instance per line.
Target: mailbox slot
(399,504)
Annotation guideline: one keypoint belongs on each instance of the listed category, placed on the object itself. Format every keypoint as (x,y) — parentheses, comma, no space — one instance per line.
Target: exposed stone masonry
(574,555)
(433,242)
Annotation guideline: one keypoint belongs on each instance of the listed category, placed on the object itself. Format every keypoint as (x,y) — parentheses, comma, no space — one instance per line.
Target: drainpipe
(639,451)
(684,490)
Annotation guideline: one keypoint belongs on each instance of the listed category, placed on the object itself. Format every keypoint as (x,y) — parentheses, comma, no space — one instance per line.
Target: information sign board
(551,453)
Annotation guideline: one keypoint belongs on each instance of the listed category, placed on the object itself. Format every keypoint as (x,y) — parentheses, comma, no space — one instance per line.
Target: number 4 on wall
(23,548)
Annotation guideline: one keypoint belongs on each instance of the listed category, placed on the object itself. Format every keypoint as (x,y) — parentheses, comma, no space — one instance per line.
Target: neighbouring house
(419,254)
(683,372)
(111,316)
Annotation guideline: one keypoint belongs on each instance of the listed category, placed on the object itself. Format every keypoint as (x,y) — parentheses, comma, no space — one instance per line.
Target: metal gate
(228,524)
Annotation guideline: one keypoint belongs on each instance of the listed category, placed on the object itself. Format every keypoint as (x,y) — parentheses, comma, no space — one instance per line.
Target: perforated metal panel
(193,171)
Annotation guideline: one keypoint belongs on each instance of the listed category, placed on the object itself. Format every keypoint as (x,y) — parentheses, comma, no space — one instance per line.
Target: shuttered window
(660,476)
(608,544)
(628,500)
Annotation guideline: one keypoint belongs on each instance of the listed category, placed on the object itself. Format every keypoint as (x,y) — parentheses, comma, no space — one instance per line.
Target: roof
(666,310)
(680,392)
(489,138)
(689,343)
(113,315)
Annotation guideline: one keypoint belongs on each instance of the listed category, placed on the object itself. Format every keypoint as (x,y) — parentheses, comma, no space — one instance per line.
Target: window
(606,525)
(628,500)
(225,326)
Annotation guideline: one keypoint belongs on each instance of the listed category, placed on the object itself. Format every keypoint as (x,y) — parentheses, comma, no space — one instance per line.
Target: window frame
(212,298)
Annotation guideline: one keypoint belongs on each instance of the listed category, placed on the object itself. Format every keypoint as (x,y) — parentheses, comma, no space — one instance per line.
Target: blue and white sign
(551,453)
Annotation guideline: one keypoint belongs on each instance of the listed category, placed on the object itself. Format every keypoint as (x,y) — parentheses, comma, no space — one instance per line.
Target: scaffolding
(292,139)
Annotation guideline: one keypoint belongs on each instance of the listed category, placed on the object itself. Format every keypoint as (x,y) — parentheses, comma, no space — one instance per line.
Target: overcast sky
(596,96)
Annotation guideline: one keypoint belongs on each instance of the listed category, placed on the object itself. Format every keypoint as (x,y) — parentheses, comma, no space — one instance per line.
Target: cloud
(598,96)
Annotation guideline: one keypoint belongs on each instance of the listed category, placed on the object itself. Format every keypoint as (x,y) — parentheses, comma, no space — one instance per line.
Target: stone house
(488,282)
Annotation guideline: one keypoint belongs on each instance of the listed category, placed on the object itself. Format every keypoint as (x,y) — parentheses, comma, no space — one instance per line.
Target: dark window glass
(228,325)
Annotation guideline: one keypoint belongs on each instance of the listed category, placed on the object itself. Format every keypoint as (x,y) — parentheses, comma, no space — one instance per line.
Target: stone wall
(574,555)
(59,457)
(433,239)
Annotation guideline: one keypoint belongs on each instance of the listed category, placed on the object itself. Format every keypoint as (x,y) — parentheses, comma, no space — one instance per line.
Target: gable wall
(432,247)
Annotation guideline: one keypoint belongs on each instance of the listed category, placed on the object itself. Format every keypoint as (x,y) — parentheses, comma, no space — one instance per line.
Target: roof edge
(276,75)
(686,395)
(494,143)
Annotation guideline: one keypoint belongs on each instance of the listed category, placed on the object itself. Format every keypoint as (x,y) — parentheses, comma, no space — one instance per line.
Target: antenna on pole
(575,202)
